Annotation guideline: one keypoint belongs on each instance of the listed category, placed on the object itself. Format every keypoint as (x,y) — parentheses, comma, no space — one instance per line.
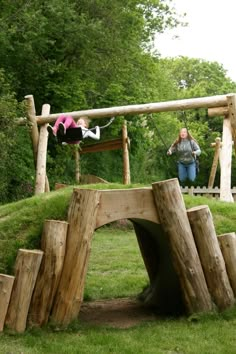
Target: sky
(210,34)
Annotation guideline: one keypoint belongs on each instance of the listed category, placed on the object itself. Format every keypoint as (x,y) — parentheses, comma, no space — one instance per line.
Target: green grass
(115,270)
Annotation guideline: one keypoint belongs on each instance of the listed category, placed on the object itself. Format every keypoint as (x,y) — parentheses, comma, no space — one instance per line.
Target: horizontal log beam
(218,111)
(103,146)
(190,103)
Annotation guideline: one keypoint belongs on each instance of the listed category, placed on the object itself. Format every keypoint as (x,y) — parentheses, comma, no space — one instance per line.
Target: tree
(16,158)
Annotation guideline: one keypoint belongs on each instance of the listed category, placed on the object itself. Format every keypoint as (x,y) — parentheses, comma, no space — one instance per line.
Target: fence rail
(204,191)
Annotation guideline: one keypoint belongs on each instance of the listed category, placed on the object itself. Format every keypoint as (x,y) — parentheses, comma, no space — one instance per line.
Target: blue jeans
(187,171)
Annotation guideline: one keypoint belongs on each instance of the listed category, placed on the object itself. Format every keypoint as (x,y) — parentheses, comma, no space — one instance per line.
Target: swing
(72,135)
(76,134)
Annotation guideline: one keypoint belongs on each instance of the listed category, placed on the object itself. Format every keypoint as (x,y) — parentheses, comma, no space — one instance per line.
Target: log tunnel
(163,293)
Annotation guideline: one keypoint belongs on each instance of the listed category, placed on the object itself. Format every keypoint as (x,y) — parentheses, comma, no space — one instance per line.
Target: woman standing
(187,150)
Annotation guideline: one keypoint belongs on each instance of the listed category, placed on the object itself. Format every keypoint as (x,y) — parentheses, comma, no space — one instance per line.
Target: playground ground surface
(111,320)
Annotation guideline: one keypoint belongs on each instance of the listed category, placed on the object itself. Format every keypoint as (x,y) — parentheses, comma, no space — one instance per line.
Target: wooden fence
(205,191)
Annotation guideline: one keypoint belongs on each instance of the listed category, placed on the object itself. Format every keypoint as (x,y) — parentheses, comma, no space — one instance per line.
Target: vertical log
(6,284)
(125,143)
(31,116)
(26,271)
(228,247)
(226,162)
(53,243)
(41,178)
(214,163)
(210,255)
(231,99)
(173,217)
(77,164)
(82,219)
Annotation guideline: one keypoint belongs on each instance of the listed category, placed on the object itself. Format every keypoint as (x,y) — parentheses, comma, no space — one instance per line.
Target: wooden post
(53,243)
(82,219)
(26,271)
(77,164)
(232,116)
(6,284)
(214,163)
(126,168)
(31,116)
(226,162)
(228,247)
(210,255)
(173,217)
(41,177)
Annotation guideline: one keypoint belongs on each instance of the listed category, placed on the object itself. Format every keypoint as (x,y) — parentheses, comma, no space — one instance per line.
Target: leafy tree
(16,158)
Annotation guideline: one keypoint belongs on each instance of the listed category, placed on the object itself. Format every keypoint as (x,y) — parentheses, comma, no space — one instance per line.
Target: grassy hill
(21,223)
(116,270)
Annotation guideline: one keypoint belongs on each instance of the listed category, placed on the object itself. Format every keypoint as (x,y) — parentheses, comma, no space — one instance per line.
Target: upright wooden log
(53,243)
(226,163)
(77,164)
(26,271)
(231,99)
(173,217)
(214,163)
(41,178)
(126,168)
(82,220)
(228,247)
(210,255)
(31,116)
(6,284)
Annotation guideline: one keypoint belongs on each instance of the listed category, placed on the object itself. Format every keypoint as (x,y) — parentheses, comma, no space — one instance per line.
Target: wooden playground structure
(188,266)
(222,105)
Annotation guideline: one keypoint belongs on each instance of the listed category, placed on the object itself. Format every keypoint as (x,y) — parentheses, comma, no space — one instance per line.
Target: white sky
(210,34)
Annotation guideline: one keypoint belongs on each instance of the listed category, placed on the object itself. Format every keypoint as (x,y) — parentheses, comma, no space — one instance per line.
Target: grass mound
(21,223)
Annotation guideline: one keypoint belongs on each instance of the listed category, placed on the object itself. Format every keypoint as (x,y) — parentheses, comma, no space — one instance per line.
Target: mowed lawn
(116,270)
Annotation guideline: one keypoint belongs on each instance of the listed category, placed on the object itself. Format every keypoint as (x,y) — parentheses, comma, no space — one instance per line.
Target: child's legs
(182,172)
(68,122)
(191,171)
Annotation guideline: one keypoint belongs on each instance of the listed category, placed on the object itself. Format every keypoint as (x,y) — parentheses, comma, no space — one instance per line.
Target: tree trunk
(173,217)
(6,284)
(26,271)
(53,243)
(228,247)
(211,257)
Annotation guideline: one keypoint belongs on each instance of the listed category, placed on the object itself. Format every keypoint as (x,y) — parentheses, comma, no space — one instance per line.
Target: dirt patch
(119,313)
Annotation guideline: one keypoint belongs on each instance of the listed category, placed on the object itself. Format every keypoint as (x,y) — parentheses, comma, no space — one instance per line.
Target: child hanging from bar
(65,122)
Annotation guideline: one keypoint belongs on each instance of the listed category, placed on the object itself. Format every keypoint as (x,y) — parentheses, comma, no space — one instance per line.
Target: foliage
(92,54)
(80,50)
(16,158)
